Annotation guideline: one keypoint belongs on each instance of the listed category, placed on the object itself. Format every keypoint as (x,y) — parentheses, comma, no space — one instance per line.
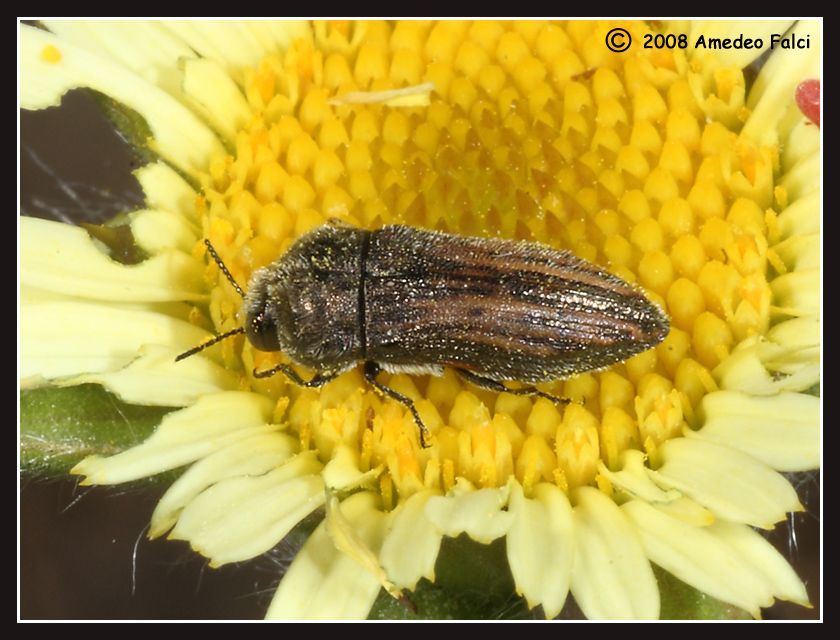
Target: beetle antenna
(230,333)
(209,343)
(224,269)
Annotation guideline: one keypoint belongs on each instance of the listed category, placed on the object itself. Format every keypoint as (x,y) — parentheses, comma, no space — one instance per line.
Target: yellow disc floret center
(528,131)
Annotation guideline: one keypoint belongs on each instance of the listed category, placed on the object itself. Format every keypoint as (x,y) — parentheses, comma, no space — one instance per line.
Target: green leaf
(60,427)
(472,582)
(683,602)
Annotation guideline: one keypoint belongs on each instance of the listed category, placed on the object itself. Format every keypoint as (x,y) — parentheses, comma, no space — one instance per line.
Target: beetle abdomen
(505,310)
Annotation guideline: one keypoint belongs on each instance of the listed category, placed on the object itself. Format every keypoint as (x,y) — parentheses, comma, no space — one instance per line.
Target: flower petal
(540,546)
(165,189)
(146,47)
(751,545)
(211,424)
(700,558)
(94,338)
(801,162)
(634,479)
(347,541)
(730,484)
(800,157)
(612,578)
(802,216)
(235,45)
(781,431)
(802,336)
(479,513)
(62,258)
(240,518)
(325,584)
(53,66)
(754,365)
(342,473)
(798,292)
(154,377)
(411,530)
(253,456)
(155,230)
(217,98)
(774,87)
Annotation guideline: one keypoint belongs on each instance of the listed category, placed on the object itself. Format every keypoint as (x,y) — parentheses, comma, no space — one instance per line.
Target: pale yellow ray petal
(165,189)
(699,558)
(476,513)
(730,484)
(53,66)
(798,292)
(611,578)
(154,377)
(65,259)
(254,456)
(800,153)
(802,216)
(802,173)
(773,91)
(541,546)
(781,431)
(235,45)
(411,530)
(753,368)
(239,518)
(184,436)
(325,584)
(214,94)
(763,556)
(155,230)
(351,544)
(94,338)
(146,47)
(342,472)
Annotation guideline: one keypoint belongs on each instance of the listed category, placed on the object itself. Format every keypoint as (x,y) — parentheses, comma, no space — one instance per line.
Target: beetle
(415,301)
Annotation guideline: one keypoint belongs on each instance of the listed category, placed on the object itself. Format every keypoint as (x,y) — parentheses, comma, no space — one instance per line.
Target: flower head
(654,164)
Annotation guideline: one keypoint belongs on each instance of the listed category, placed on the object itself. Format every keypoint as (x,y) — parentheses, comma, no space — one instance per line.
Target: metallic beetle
(415,301)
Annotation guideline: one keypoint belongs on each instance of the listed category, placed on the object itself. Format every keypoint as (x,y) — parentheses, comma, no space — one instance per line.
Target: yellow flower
(652,162)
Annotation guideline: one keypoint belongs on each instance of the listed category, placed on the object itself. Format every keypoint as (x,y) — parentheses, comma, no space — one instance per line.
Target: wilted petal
(478,513)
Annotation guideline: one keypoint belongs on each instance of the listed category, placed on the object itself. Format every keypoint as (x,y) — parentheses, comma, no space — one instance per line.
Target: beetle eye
(261,330)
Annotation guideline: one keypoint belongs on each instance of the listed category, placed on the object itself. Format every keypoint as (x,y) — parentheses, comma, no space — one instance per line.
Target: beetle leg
(372,369)
(495,385)
(318,380)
